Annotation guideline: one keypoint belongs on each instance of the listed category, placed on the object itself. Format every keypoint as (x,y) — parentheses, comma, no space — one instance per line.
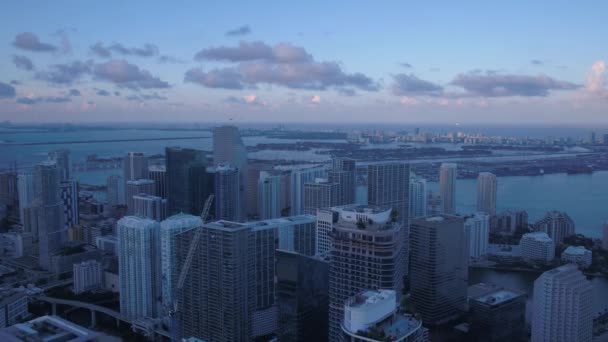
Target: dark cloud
(406,65)
(23,62)
(29,41)
(74,92)
(256,51)
(47,99)
(127,75)
(537,62)
(409,84)
(15,82)
(148,50)
(116,93)
(240,31)
(103,92)
(145,97)
(500,85)
(65,73)
(6,91)
(227,78)
(283,64)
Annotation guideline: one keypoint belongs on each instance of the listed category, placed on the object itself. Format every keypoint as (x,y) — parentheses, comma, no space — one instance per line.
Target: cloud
(74,92)
(144,97)
(147,50)
(346,91)
(501,85)
(408,101)
(315,99)
(537,62)
(30,42)
(116,93)
(66,46)
(411,85)
(22,62)
(240,31)
(406,65)
(6,91)
(169,59)
(15,82)
(596,79)
(256,51)
(250,99)
(103,92)
(45,99)
(123,74)
(65,73)
(227,78)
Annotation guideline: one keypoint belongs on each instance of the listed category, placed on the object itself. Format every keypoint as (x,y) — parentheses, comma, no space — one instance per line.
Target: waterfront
(525,281)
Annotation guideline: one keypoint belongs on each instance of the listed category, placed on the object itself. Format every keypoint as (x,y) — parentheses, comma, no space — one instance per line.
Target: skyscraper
(439,260)
(251,192)
(299,178)
(557,224)
(62,159)
(158,173)
(185,176)
(169,229)
(562,306)
(365,243)
(27,195)
(486,193)
(344,172)
(139,267)
(269,195)
(228,148)
(477,229)
(52,233)
(135,166)
(418,197)
(136,187)
(116,190)
(302,297)
(388,184)
(148,206)
(227,193)
(69,198)
(447,187)
(320,194)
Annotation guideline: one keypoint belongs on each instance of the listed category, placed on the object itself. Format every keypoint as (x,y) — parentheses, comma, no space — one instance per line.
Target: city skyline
(465,63)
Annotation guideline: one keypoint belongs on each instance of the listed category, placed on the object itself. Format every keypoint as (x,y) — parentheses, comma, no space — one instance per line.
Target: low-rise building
(498,315)
(372,315)
(13,308)
(537,247)
(578,255)
(88,276)
(15,245)
(47,328)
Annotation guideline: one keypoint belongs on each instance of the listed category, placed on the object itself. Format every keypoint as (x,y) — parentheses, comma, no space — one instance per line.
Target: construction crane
(174,309)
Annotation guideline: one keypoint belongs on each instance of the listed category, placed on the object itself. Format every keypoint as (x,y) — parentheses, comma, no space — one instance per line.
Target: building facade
(448,173)
(486,193)
(537,247)
(88,276)
(557,224)
(477,229)
(299,178)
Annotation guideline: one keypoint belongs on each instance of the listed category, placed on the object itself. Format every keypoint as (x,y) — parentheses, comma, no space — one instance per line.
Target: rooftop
(497,297)
(576,250)
(47,328)
(538,236)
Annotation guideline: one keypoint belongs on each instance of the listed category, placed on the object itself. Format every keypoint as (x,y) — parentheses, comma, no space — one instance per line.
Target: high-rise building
(498,315)
(486,193)
(88,276)
(116,190)
(509,221)
(447,187)
(439,260)
(605,237)
(152,207)
(344,172)
(537,247)
(69,198)
(139,267)
(137,187)
(269,195)
(62,159)
(51,230)
(388,185)
(562,306)
(302,297)
(135,166)
(557,224)
(188,182)
(373,316)
(320,194)
(365,242)
(227,193)
(228,148)
(158,173)
(251,192)
(477,229)
(418,197)
(27,194)
(169,229)
(298,180)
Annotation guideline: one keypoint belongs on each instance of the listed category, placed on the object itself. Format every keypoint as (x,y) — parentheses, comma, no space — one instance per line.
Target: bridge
(94,309)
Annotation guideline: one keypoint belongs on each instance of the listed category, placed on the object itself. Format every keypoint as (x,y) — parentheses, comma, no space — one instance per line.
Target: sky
(447,62)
